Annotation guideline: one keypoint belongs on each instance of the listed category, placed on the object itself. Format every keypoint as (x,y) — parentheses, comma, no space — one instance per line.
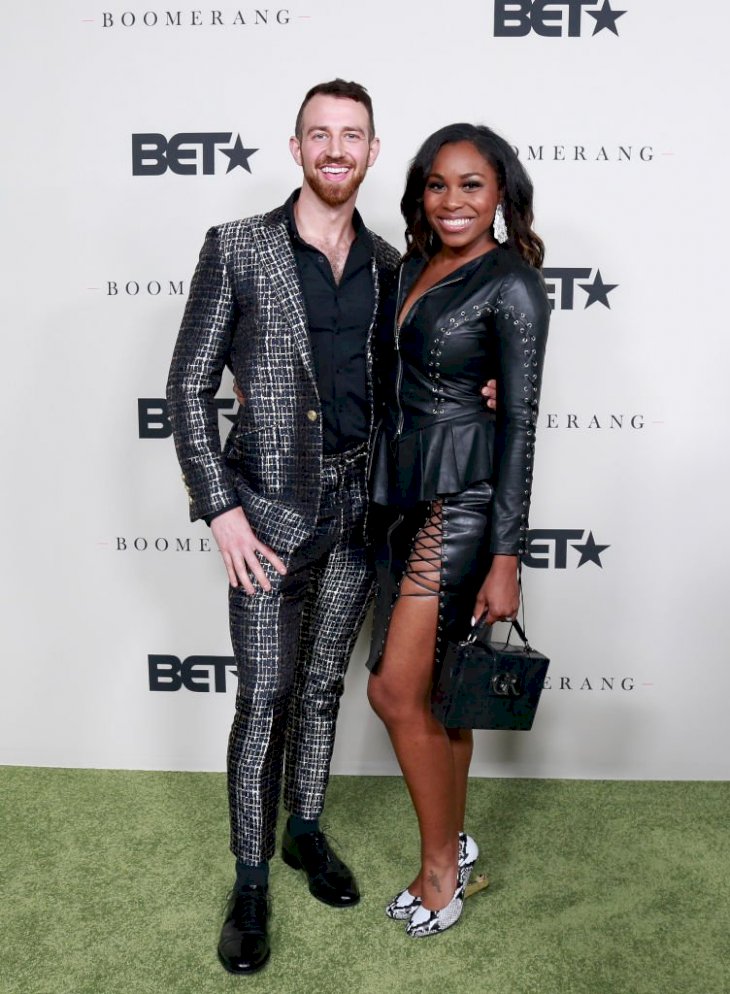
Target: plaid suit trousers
(292,647)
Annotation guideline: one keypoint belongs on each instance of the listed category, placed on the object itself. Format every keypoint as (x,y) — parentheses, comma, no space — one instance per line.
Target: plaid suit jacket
(246,310)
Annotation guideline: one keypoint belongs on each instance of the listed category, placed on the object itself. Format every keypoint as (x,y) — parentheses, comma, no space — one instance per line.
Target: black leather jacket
(487,319)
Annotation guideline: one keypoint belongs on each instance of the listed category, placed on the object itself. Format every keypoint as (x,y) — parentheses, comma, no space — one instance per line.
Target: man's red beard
(334,194)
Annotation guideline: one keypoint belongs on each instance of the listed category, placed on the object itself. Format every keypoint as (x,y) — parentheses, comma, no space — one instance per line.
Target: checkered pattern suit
(246,310)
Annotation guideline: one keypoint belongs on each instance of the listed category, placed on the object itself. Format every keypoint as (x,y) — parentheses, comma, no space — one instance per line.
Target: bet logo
(189,153)
(561,281)
(201,674)
(548,548)
(153,420)
(553,18)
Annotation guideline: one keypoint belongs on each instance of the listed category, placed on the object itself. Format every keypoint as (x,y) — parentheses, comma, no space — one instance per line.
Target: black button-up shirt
(339,317)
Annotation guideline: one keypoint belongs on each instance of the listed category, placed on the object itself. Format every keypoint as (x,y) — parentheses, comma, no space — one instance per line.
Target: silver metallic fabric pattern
(246,311)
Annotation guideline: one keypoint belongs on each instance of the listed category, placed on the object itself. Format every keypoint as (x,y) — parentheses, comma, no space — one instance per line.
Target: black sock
(300,826)
(248,874)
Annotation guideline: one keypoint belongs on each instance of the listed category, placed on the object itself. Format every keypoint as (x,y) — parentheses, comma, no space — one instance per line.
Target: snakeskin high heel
(402,906)
(425,922)
(405,904)
(468,855)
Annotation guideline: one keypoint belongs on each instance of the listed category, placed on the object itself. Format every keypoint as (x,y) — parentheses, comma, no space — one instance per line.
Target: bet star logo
(590,551)
(187,154)
(561,281)
(548,548)
(606,18)
(553,18)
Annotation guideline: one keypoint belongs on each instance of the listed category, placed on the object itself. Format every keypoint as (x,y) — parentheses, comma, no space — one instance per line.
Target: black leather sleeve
(523,314)
(201,354)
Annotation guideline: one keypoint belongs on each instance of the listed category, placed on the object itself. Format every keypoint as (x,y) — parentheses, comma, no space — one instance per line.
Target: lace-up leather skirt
(442,545)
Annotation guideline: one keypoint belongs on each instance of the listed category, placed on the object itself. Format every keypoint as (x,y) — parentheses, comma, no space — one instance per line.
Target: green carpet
(114,883)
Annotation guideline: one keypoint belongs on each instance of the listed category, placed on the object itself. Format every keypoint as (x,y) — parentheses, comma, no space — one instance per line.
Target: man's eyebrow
(326,127)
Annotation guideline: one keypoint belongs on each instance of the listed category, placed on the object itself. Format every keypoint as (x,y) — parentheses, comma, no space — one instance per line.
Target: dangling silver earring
(500,225)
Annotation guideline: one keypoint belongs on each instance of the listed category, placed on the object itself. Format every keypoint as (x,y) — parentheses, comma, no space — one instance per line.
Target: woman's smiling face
(460,198)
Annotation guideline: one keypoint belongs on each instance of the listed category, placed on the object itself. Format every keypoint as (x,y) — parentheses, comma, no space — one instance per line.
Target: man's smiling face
(336,147)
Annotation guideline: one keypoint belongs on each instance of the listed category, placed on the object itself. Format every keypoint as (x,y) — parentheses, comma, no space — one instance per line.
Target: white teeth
(455,222)
(334,169)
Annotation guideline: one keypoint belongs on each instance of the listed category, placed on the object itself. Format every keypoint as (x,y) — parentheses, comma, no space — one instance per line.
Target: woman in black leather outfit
(451,479)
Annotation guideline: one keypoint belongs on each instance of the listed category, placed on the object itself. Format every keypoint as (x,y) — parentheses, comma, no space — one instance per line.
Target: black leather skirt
(465,525)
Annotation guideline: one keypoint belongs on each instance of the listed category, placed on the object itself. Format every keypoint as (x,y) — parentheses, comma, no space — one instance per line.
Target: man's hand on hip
(241,550)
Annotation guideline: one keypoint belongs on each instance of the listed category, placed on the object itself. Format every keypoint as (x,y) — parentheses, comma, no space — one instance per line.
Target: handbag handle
(520,631)
(482,632)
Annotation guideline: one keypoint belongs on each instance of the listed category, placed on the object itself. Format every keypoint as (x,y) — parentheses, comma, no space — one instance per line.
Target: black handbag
(485,684)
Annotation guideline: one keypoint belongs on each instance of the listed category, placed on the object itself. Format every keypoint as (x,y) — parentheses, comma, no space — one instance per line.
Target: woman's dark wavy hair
(515,186)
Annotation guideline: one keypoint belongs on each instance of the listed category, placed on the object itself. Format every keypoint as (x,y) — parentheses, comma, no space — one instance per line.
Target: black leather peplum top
(487,319)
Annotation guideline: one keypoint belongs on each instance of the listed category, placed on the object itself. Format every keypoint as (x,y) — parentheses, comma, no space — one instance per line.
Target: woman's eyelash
(470,184)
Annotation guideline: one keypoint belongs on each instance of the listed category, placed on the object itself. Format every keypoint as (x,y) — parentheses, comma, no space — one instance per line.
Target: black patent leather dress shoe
(244,942)
(330,880)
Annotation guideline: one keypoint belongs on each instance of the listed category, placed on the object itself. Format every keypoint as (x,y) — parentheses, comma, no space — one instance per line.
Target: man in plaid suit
(288,300)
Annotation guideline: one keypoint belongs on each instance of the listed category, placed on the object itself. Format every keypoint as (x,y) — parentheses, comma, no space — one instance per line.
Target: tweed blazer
(246,310)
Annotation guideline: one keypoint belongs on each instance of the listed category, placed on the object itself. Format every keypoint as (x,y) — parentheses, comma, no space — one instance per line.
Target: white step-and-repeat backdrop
(115,649)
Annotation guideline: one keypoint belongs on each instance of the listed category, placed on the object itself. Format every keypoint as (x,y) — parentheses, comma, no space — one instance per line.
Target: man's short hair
(338,88)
